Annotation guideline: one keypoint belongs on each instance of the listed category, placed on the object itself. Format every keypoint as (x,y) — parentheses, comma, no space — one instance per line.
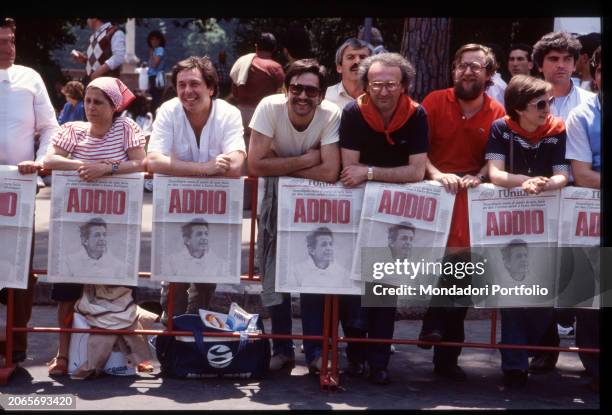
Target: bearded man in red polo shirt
(459,119)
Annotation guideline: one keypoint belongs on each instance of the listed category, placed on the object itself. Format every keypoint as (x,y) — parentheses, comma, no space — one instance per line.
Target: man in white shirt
(555,55)
(348,57)
(25,109)
(106,50)
(292,135)
(195,134)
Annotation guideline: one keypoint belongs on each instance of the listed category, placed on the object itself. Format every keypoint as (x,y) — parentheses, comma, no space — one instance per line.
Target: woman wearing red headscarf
(106,144)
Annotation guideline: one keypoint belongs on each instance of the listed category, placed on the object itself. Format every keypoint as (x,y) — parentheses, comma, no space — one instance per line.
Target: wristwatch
(114,167)
(370,173)
(482,177)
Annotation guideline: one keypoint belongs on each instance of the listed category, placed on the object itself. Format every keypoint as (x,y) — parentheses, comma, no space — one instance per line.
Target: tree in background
(425,44)
(326,34)
(36,38)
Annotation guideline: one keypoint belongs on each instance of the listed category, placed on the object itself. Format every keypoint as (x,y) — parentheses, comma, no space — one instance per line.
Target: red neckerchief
(405,108)
(552,127)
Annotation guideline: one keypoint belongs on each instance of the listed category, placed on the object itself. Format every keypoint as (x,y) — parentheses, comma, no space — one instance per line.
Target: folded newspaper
(236,320)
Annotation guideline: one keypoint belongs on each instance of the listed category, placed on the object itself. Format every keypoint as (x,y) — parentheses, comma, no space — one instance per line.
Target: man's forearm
(175,167)
(319,172)
(589,178)
(403,174)
(278,166)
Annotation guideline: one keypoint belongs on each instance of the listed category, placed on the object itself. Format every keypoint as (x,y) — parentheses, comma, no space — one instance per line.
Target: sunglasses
(311,91)
(542,104)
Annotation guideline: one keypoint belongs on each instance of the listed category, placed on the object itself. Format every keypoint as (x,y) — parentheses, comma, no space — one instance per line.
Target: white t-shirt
(173,136)
(271,118)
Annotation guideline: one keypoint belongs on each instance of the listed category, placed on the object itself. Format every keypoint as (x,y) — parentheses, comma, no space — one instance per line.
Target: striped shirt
(123,135)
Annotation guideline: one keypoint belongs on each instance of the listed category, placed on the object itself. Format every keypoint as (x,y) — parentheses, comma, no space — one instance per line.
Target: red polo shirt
(457,145)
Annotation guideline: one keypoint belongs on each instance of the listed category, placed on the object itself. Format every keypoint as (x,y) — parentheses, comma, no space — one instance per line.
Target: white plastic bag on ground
(77,354)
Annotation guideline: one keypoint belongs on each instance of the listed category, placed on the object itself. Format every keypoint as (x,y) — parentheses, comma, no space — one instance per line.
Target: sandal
(145,367)
(58,366)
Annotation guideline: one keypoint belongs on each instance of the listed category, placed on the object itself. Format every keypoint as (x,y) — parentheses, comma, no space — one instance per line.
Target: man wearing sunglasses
(292,135)
(383,137)
(459,120)
(555,56)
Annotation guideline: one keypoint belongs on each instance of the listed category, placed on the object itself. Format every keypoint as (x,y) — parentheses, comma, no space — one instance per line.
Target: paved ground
(414,385)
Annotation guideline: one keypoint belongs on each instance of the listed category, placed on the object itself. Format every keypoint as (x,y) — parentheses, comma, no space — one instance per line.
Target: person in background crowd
(383,137)
(106,50)
(106,144)
(157,66)
(255,76)
(348,57)
(139,111)
(195,134)
(555,56)
(459,120)
(296,44)
(583,150)
(498,86)
(26,111)
(519,59)
(589,43)
(526,149)
(225,82)
(73,110)
(376,39)
(292,135)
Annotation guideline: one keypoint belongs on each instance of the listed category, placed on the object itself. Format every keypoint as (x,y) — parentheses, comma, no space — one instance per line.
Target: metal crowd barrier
(329,378)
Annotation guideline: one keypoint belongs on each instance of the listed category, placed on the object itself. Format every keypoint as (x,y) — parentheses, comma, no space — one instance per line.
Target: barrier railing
(328,377)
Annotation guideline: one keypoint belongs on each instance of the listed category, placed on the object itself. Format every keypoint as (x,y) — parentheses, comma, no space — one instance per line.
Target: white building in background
(578,25)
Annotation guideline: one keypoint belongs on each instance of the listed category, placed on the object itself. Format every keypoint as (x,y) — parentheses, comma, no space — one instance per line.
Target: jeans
(447,314)
(311,307)
(280,316)
(522,326)
(371,322)
(450,322)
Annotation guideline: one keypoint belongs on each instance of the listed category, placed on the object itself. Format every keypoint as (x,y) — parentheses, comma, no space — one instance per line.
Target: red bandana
(553,126)
(405,108)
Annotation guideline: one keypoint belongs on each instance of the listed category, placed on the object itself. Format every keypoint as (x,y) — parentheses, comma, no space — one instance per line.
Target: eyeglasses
(391,86)
(542,104)
(311,91)
(474,66)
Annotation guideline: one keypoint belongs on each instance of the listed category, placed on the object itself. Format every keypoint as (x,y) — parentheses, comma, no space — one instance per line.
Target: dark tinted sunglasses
(311,91)
(542,104)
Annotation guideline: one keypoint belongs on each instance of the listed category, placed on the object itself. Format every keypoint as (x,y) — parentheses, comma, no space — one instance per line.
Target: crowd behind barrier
(456,137)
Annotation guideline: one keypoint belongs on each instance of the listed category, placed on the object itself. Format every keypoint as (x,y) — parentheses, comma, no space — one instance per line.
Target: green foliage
(35,41)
